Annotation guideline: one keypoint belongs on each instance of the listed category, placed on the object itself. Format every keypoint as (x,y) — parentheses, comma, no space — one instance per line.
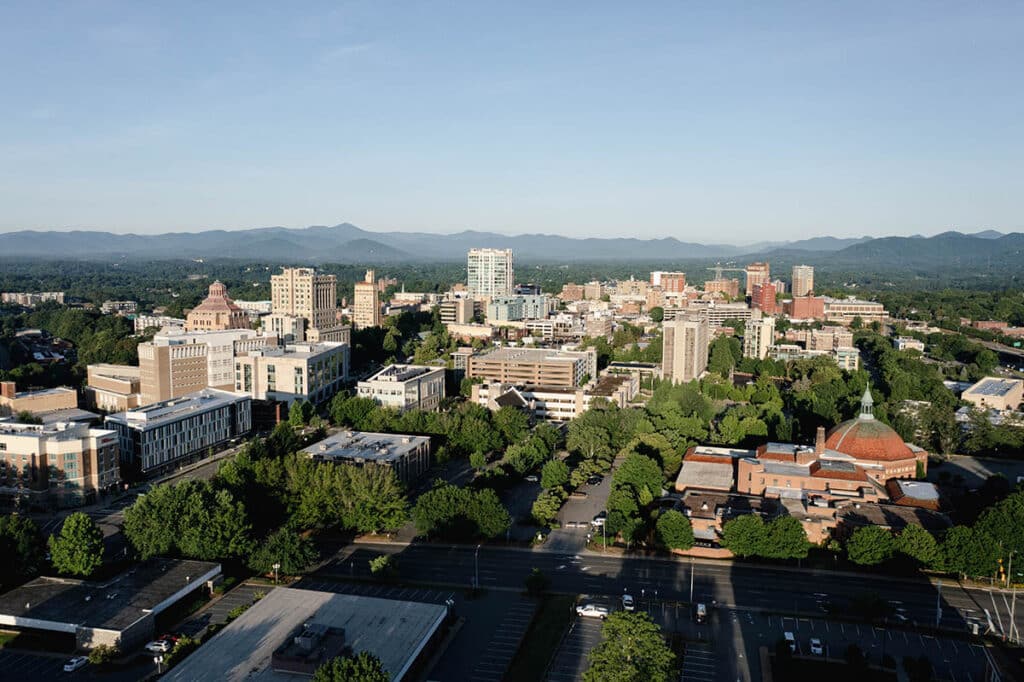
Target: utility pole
(1009,569)
(938,605)
(1013,623)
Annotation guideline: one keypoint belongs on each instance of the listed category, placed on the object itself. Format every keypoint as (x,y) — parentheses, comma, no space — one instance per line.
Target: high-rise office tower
(758,337)
(685,349)
(302,293)
(757,273)
(365,306)
(489,272)
(803,280)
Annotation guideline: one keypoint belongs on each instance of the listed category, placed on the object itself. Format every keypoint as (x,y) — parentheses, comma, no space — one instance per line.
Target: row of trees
(261,506)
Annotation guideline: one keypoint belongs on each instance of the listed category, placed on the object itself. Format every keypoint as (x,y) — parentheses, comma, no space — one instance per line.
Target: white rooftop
(177,408)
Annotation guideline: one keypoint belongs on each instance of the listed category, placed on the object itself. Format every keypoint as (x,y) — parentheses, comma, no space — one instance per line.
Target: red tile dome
(868,439)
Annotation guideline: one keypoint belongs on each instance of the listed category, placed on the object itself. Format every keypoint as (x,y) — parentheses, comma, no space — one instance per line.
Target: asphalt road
(727,585)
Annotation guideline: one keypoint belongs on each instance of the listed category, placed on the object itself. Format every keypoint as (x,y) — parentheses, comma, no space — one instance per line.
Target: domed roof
(867,438)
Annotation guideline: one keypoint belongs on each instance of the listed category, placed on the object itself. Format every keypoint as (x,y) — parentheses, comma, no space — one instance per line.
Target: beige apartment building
(757,274)
(489,272)
(313,372)
(758,337)
(845,310)
(534,366)
(365,306)
(685,348)
(176,363)
(803,280)
(113,388)
(69,463)
(37,402)
(304,294)
(457,311)
(216,312)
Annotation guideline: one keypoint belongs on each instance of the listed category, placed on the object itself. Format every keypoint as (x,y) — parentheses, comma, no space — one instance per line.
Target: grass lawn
(6,637)
(545,634)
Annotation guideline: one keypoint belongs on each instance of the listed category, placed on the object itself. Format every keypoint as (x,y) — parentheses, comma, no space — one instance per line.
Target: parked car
(599,519)
(595,479)
(160,646)
(75,663)
(701,614)
(790,640)
(532,478)
(816,648)
(627,602)
(592,611)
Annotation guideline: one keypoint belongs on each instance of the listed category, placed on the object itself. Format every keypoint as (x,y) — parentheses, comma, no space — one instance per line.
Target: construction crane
(718,269)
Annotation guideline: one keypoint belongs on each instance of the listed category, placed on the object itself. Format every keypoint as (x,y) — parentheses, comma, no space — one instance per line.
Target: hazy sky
(711,121)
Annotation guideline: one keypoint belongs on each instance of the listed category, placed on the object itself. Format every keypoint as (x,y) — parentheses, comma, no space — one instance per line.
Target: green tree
(786,538)
(554,474)
(78,548)
(745,535)
(918,544)
(720,358)
(870,545)
(674,530)
(641,473)
(299,413)
(375,500)
(293,551)
(214,525)
(478,460)
(22,548)
(545,507)
(512,423)
(488,513)
(969,552)
(632,649)
(150,524)
(362,667)
(657,314)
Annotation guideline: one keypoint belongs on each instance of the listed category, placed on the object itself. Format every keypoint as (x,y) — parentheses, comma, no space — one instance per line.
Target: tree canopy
(78,548)
(632,649)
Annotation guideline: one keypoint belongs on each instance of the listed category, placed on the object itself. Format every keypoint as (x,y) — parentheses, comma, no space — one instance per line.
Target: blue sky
(716,122)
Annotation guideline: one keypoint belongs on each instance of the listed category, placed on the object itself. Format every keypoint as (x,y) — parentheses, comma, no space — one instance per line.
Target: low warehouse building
(292,632)
(121,612)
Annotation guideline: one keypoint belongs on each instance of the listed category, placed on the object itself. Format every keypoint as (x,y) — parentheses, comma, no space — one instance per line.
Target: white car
(75,663)
(627,602)
(160,646)
(816,647)
(532,478)
(592,611)
(599,520)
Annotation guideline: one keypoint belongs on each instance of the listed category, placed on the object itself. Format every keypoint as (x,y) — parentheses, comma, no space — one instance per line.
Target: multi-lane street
(919,604)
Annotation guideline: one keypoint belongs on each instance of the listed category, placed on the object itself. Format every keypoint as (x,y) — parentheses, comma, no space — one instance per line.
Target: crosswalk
(698,663)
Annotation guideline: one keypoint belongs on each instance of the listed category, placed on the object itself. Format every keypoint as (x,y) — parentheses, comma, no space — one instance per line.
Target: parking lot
(571,658)
(576,515)
(726,648)
(22,665)
(243,595)
(491,667)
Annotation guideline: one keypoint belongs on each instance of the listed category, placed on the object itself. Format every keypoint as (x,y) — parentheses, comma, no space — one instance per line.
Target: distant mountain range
(347,243)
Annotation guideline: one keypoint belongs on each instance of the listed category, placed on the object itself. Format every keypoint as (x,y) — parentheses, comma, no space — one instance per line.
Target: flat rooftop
(918,490)
(530,355)
(300,351)
(393,631)
(398,373)
(51,430)
(995,387)
(177,408)
(365,446)
(112,605)
(42,392)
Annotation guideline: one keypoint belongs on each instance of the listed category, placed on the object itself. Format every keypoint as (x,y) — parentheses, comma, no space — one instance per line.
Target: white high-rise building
(489,273)
(685,349)
(758,337)
(803,280)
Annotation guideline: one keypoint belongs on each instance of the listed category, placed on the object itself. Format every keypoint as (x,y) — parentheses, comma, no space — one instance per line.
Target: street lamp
(276,568)
(476,568)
